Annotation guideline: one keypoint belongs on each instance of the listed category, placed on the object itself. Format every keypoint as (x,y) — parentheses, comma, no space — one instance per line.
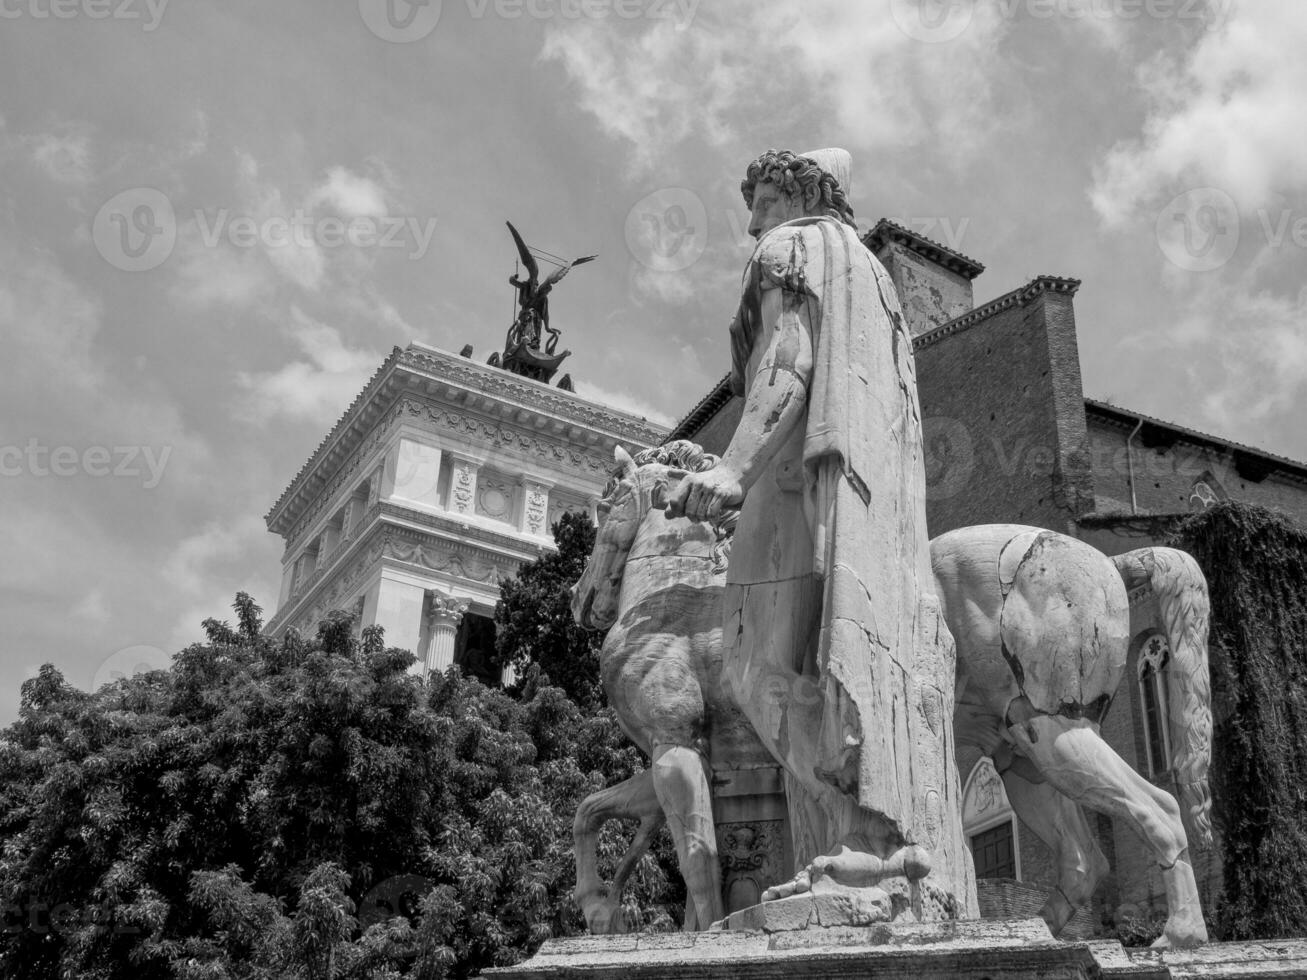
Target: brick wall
(1165,472)
(1004,414)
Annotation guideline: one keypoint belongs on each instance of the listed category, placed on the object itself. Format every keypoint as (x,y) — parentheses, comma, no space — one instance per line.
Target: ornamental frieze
(501,383)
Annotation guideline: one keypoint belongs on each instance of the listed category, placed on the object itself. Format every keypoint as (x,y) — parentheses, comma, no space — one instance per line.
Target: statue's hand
(703,496)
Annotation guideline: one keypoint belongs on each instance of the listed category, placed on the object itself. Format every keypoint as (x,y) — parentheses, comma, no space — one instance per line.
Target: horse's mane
(681,454)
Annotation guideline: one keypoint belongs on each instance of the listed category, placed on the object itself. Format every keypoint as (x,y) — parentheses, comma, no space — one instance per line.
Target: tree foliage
(1255,561)
(296,809)
(533,621)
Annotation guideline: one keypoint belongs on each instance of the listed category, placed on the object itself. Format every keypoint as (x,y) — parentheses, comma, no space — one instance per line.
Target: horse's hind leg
(633,798)
(1076,760)
(1059,823)
(680,778)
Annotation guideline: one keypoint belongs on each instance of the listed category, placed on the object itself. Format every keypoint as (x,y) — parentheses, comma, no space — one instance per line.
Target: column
(444,613)
(463,487)
(535,507)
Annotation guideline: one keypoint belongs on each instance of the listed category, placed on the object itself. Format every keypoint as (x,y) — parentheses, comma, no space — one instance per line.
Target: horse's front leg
(631,799)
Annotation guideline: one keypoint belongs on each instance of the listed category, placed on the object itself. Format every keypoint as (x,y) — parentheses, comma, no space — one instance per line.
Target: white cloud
(64,156)
(218,275)
(349,194)
(320,386)
(206,570)
(655,86)
(1230,114)
(93,607)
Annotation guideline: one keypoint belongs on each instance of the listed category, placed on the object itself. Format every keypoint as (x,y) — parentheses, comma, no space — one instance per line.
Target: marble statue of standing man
(833,644)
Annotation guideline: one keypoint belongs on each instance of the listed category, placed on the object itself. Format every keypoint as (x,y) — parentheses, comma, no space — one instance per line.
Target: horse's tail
(1181,591)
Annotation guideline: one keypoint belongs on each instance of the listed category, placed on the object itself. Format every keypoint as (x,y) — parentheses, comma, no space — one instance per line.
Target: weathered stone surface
(924,951)
(833,905)
(997,950)
(833,641)
(1042,624)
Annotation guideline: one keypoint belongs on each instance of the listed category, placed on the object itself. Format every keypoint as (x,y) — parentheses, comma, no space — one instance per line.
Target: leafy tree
(262,810)
(533,621)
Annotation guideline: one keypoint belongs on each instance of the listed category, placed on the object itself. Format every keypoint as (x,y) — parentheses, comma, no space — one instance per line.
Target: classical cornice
(887,232)
(532,396)
(1018,297)
(466,387)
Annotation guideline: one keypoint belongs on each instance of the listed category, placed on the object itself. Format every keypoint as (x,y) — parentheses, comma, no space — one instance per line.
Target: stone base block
(1228,961)
(981,950)
(1014,949)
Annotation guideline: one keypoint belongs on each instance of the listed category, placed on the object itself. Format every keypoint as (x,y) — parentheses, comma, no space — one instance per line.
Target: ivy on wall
(1255,561)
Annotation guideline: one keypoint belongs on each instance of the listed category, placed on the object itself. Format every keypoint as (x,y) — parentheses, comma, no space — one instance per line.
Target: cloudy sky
(218,216)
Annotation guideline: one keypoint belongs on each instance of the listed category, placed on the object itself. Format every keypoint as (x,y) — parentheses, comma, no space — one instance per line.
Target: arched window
(990,825)
(1154,654)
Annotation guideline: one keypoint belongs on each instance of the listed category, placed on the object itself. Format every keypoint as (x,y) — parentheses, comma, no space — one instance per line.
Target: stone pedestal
(974,949)
(1014,949)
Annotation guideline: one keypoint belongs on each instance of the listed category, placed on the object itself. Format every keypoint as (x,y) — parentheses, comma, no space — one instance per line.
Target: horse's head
(636,486)
(623,507)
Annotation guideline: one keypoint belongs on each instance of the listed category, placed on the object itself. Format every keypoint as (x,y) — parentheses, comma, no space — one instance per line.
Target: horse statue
(1041,622)
(656,585)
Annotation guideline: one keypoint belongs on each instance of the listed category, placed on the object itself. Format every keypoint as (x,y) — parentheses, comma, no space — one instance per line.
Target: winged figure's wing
(558,273)
(528,259)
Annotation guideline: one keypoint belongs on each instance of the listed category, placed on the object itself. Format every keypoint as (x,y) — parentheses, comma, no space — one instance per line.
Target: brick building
(1011,438)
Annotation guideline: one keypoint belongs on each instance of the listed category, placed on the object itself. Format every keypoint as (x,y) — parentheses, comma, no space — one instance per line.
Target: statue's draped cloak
(885,660)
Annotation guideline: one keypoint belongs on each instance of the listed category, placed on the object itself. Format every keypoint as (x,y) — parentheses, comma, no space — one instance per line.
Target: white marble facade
(441,478)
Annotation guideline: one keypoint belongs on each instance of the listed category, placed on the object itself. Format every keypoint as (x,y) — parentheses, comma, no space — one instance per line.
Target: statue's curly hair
(795,174)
